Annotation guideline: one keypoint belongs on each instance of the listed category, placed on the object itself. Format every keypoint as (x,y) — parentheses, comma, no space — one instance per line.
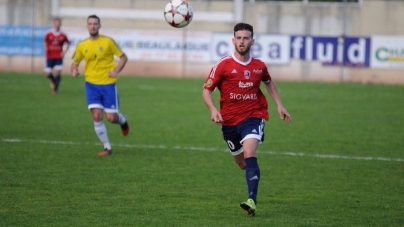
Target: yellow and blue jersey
(99,57)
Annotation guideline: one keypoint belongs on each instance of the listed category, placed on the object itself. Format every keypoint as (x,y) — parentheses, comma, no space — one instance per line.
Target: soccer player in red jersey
(243,106)
(56,44)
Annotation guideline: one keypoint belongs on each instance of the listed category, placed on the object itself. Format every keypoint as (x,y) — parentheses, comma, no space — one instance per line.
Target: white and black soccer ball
(178,13)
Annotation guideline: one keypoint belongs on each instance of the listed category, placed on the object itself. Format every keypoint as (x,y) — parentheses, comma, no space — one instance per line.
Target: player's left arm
(66,47)
(116,50)
(273,92)
(121,63)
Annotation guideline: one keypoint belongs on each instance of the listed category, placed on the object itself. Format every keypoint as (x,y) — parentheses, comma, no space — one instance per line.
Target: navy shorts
(103,96)
(236,134)
(56,63)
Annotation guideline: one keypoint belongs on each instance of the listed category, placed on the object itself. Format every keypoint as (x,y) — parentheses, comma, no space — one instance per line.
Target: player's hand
(283,113)
(113,73)
(216,117)
(75,72)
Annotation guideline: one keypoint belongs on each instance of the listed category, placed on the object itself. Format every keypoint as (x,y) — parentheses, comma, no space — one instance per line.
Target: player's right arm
(74,69)
(76,59)
(215,115)
(45,44)
(45,47)
(209,86)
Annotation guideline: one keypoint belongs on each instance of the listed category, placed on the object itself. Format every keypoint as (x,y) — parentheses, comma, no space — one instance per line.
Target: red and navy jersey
(54,43)
(239,86)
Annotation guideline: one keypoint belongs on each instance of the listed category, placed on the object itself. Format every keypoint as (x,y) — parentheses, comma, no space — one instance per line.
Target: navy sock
(51,78)
(252,175)
(57,81)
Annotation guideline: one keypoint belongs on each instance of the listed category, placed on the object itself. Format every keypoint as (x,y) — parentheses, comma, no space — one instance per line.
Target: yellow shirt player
(99,57)
(100,74)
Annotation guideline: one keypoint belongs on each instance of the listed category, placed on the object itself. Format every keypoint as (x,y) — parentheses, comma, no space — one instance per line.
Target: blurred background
(299,40)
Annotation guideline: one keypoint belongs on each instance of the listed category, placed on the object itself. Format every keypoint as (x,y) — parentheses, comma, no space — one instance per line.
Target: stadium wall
(324,23)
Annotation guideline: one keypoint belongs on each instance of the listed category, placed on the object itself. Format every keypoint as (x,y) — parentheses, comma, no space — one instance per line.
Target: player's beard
(94,33)
(245,51)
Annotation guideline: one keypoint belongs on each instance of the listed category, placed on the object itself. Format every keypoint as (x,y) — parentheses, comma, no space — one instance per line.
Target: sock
(122,119)
(101,132)
(57,78)
(252,175)
(51,78)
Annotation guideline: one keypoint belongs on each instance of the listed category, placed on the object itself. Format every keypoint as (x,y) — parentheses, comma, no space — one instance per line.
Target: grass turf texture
(339,163)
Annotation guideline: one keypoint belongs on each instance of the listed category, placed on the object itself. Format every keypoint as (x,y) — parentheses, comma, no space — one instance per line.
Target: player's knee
(111,118)
(97,117)
(248,153)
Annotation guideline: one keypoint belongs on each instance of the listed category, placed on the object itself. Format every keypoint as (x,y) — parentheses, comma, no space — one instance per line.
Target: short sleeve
(77,56)
(67,39)
(115,49)
(215,76)
(266,77)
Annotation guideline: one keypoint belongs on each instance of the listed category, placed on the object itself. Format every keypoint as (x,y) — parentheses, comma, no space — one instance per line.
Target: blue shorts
(56,63)
(103,97)
(236,134)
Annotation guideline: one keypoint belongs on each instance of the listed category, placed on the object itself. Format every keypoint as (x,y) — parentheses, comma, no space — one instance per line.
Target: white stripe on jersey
(55,33)
(241,62)
(212,72)
(258,59)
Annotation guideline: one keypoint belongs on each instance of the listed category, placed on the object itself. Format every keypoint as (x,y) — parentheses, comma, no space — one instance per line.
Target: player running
(243,106)
(56,44)
(100,74)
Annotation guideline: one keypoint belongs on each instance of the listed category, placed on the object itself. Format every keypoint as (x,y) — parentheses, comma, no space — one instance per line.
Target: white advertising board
(387,52)
(272,49)
(154,45)
(172,45)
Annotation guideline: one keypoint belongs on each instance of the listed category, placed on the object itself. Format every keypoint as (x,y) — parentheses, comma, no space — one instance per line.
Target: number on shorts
(230,144)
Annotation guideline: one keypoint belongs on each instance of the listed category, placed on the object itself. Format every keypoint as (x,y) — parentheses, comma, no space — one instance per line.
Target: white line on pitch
(301,154)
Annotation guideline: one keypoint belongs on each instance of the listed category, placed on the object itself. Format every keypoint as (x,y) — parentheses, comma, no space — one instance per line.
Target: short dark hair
(244,26)
(95,17)
(57,19)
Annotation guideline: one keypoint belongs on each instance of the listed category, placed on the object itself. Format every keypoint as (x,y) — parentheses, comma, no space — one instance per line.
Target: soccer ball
(178,13)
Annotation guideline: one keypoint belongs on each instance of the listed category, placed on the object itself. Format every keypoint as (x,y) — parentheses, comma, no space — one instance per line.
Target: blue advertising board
(332,50)
(357,51)
(22,40)
(272,49)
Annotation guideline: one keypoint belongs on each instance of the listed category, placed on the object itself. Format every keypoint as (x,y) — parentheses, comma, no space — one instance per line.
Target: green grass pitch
(339,163)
